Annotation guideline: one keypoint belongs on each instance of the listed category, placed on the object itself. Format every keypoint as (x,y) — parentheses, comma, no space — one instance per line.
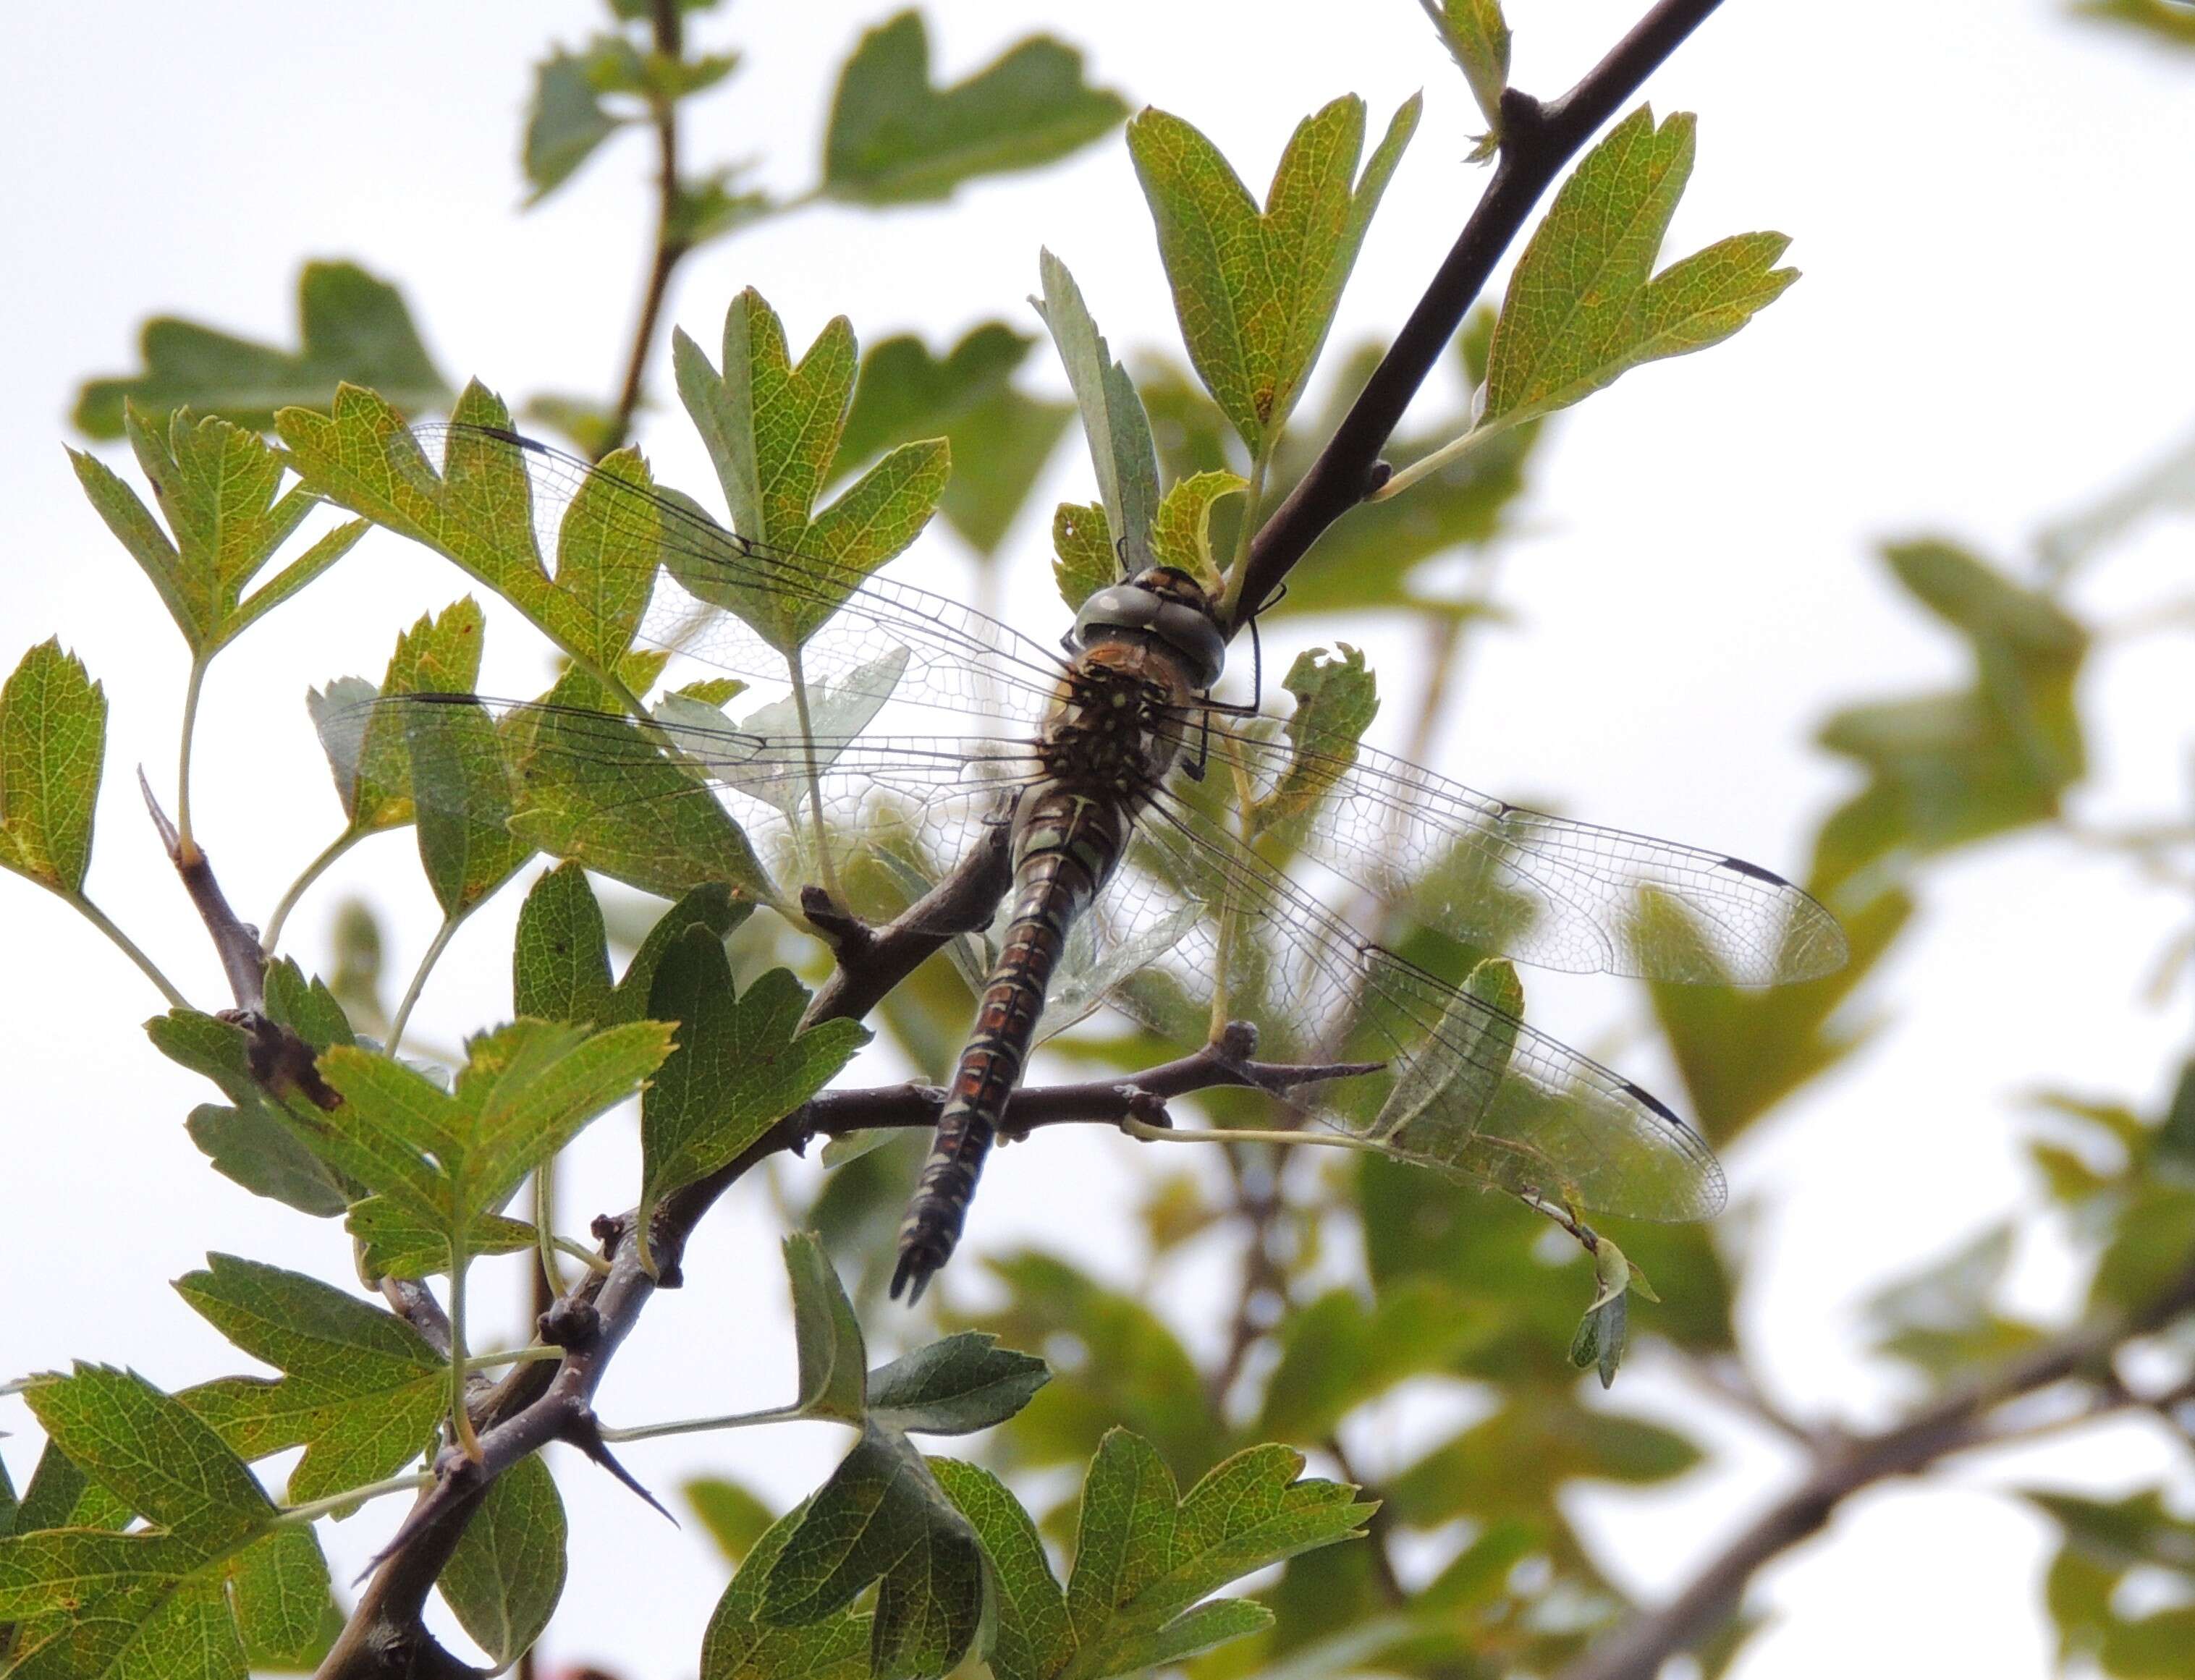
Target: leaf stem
(527,1355)
(313,1508)
(826,870)
(1453,451)
(313,871)
(670,249)
(190,691)
(98,918)
(545,1224)
(461,1423)
(439,944)
(736,1420)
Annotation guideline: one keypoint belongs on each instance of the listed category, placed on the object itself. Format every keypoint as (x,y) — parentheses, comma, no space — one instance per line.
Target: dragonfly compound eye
(1189,632)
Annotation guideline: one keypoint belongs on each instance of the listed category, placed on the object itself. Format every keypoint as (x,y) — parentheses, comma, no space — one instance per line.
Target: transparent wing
(1467,1086)
(1544,889)
(959,660)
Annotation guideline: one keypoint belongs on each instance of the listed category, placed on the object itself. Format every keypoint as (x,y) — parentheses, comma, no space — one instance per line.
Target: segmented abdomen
(1066,848)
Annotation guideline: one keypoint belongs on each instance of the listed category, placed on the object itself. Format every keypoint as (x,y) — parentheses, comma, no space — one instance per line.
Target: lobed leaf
(361,1390)
(1584,306)
(741,1645)
(351,326)
(834,1358)
(1477,36)
(1181,535)
(894,139)
(1336,698)
(559,960)
(1255,291)
(1084,561)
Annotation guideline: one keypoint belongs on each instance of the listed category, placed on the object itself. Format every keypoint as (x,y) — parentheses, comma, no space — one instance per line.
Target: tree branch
(538,1402)
(234,940)
(1536,140)
(1843,1466)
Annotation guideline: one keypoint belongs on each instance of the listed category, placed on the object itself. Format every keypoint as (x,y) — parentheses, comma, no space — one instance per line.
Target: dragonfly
(1167,848)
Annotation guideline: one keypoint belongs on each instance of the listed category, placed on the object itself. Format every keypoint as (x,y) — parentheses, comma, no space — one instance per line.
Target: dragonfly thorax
(1161,604)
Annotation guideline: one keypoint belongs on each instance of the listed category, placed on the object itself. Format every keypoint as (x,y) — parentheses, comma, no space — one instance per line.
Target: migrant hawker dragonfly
(1151,830)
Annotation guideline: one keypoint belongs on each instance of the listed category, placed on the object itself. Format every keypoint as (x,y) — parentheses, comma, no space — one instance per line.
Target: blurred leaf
(741,1064)
(741,1645)
(217,483)
(206,1589)
(734,1518)
(712,206)
(1743,1051)
(505,1578)
(595,790)
(1584,305)
(1336,698)
(1114,1362)
(561,959)
(1338,1353)
(360,1391)
(772,427)
(567,120)
(999,439)
(1952,768)
(1084,561)
(352,326)
(476,509)
(1514,1462)
(1604,1331)
(1942,1320)
(2163,22)
(1256,292)
(2150,1251)
(448,1158)
(462,802)
(2175,1142)
(1477,36)
(894,139)
(2103,1543)
(1144,1558)
(52,745)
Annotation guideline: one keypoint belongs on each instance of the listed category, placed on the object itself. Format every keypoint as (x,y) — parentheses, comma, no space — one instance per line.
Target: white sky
(1992,328)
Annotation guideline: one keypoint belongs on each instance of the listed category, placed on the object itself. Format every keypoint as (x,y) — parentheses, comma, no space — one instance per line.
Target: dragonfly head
(1166,603)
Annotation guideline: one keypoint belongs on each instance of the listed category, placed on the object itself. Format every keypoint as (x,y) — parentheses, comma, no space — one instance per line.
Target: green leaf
(1338,1353)
(1511,1463)
(827,1336)
(1605,1330)
(1144,1558)
(205,1590)
(894,139)
(772,427)
(736,1519)
(883,1517)
(568,120)
(1336,698)
(1181,536)
(1952,768)
(956,1386)
(361,1389)
(476,510)
(1584,305)
(560,962)
(596,790)
(352,327)
(1083,560)
(999,439)
(253,1142)
(2163,21)
(739,1645)
(53,744)
(1477,36)
(1112,418)
(367,751)
(505,1578)
(710,906)
(394,1241)
(449,1157)
(741,1064)
(1256,291)
(464,800)
(217,483)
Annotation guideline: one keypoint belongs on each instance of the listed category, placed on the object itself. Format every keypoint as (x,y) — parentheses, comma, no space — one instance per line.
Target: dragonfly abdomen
(1067,846)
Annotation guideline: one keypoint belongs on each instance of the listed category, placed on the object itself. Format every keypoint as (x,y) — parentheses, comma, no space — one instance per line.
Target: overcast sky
(1992,328)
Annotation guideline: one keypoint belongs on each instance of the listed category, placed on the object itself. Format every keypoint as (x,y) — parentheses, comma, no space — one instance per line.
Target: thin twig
(1844,1466)
(670,249)
(234,940)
